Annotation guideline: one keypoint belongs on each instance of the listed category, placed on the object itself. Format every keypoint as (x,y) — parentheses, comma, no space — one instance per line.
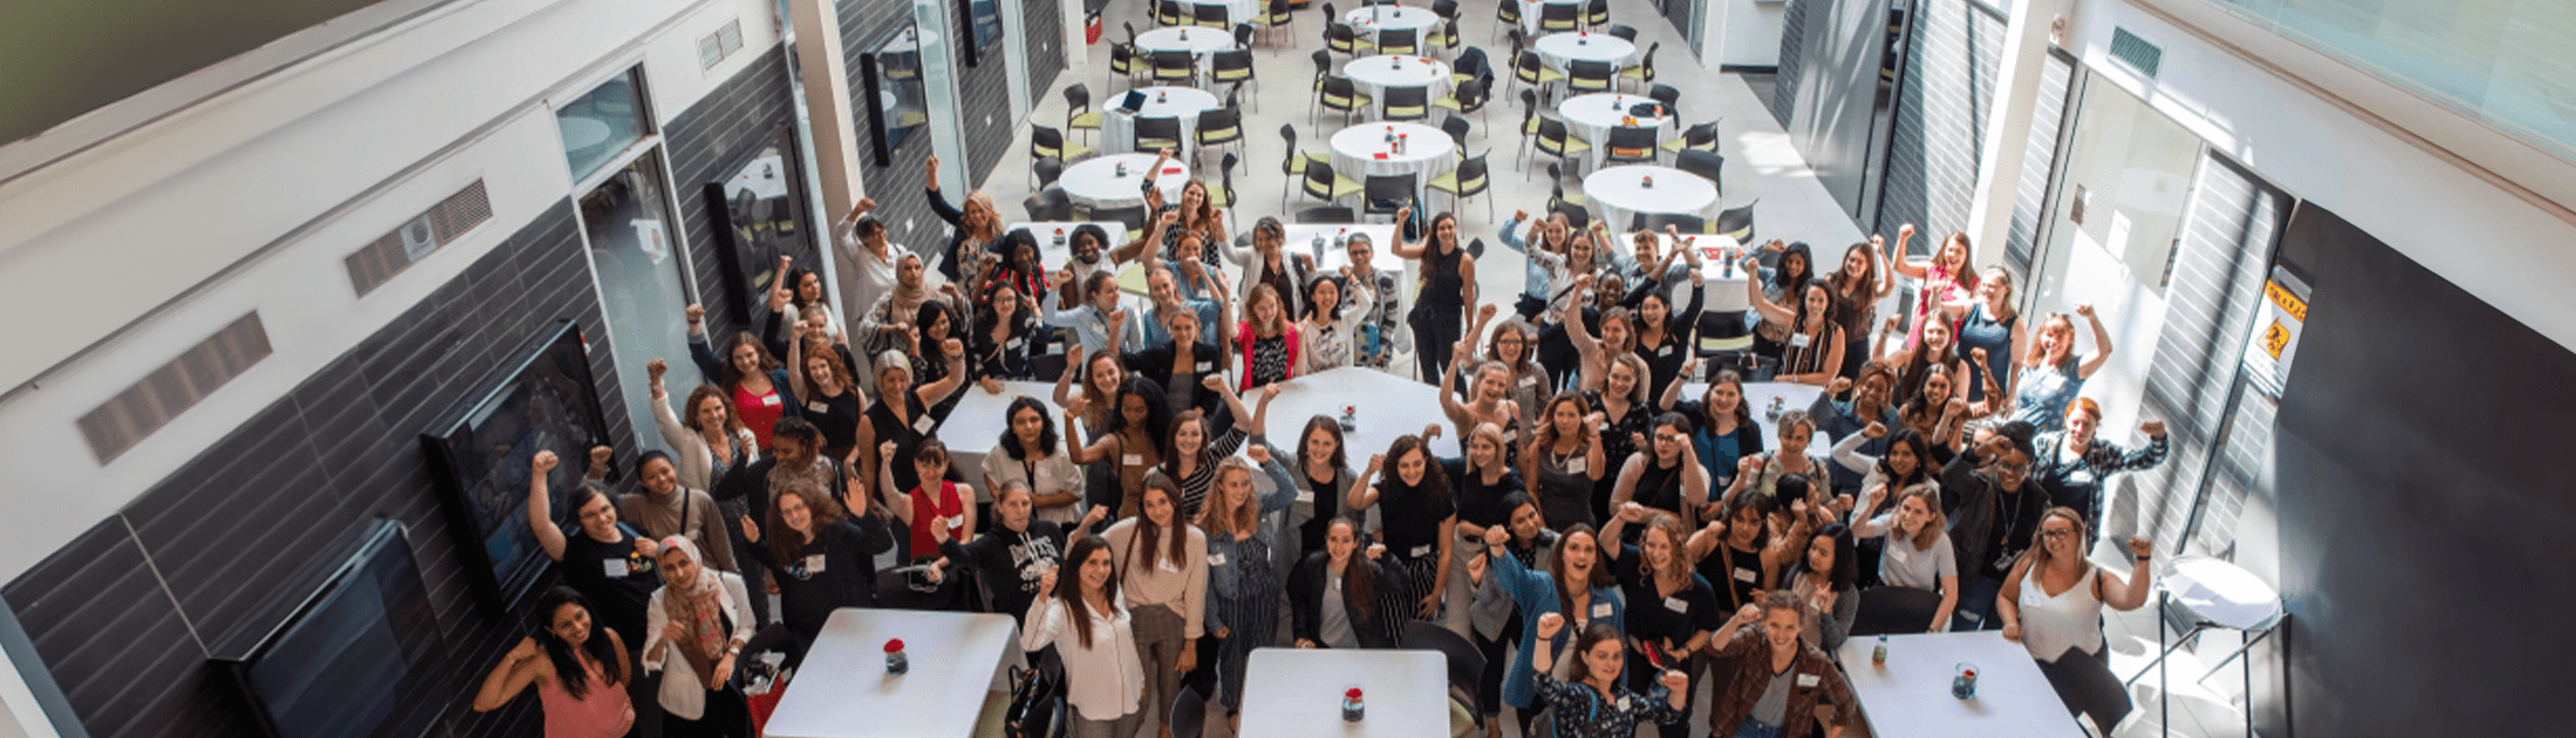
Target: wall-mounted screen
(541,398)
(355,660)
(759,217)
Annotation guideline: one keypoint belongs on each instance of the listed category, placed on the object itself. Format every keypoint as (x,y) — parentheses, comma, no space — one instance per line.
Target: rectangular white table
(1912,692)
(1758,397)
(975,426)
(843,690)
(1297,693)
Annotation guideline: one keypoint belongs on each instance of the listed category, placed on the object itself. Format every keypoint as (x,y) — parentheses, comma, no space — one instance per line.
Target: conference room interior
(441,237)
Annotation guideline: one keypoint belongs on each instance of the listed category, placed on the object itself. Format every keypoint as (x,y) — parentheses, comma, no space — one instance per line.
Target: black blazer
(1306,602)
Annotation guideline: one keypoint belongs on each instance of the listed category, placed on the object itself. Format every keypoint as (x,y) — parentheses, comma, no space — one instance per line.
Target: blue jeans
(1976,609)
(1752,728)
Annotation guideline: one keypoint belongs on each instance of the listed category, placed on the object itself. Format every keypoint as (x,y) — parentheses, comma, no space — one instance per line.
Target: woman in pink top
(1947,279)
(584,697)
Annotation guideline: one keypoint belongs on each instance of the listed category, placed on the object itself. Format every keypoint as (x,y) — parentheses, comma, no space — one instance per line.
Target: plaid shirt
(1752,652)
(2078,483)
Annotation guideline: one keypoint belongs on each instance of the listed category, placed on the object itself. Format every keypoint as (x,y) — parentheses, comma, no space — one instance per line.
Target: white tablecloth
(1620,192)
(1557,48)
(1094,182)
(975,427)
(1592,116)
(1372,75)
(1758,396)
(1053,255)
(1182,38)
(1297,693)
(1427,153)
(1388,405)
(1368,21)
(1118,127)
(843,690)
(1912,692)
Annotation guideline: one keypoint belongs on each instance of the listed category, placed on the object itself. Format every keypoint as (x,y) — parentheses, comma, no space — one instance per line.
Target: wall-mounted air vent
(714,47)
(165,393)
(2136,52)
(377,262)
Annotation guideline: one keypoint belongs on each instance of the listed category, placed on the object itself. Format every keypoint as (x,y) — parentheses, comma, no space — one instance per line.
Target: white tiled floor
(1793,207)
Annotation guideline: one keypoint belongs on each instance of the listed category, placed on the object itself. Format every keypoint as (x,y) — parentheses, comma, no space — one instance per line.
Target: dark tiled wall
(243,531)
(1793,41)
(710,141)
(1044,46)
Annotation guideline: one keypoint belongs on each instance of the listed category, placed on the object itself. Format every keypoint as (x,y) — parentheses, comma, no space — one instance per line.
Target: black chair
(1528,70)
(1168,12)
(1706,164)
(1689,224)
(1323,68)
(1468,180)
(1280,17)
(1670,97)
(1399,41)
(1232,66)
(1702,137)
(1078,115)
(1507,15)
(1644,72)
(1220,127)
(1209,16)
(1581,75)
(1576,216)
(1630,145)
(1335,214)
(1134,217)
(1158,133)
(1223,195)
(1554,141)
(1597,13)
(1050,204)
(1243,36)
(1466,663)
(1736,222)
(1447,9)
(1294,165)
(1323,184)
(1468,98)
(1176,68)
(1625,32)
(1457,128)
(1559,17)
(1123,62)
(1339,37)
(1189,714)
(1407,103)
(1467,65)
(1340,94)
(1449,35)
(1476,246)
(1048,143)
(1384,194)
(1048,171)
(1529,125)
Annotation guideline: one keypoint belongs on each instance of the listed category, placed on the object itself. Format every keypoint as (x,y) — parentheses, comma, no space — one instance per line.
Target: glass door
(2122,192)
(633,248)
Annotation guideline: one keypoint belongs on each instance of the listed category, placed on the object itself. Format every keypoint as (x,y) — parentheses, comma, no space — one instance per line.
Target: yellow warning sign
(2275,339)
(2289,303)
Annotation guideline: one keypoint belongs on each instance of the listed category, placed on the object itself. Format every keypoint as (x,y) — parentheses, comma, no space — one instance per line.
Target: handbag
(1037,705)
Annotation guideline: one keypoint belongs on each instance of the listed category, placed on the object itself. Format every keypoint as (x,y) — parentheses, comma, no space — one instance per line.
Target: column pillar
(827,105)
(2007,134)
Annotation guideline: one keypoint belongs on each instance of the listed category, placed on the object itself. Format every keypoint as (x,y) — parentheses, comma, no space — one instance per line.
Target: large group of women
(1612,541)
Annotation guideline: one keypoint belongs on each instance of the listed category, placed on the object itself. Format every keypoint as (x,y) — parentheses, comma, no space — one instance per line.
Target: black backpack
(1037,705)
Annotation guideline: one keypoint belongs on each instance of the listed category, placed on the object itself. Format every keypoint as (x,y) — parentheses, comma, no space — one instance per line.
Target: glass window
(2121,197)
(602,122)
(633,246)
(902,103)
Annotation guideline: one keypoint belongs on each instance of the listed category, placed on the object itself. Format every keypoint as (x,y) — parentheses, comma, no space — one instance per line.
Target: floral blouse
(1582,712)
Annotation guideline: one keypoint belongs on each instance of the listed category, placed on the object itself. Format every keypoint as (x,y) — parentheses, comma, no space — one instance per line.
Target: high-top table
(843,690)
(1297,693)
(1910,696)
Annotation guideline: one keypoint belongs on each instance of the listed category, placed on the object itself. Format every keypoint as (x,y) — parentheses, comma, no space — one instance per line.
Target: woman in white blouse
(1086,619)
(711,441)
(696,625)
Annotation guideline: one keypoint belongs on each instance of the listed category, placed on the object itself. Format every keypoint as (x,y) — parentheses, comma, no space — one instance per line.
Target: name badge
(1132,459)
(2031,599)
(1167,565)
(1807,680)
(1799,340)
(817,406)
(1529,381)
(615,568)
(1747,575)
(1205,367)
(1015,344)
(1665,351)
(1677,604)
(1623,704)
(769,401)
(1574,465)
(922,424)
(1216,559)
(1899,553)
(1420,551)
(1600,609)
(814,564)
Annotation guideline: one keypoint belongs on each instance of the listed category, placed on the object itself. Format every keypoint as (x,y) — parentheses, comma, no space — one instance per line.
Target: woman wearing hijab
(696,625)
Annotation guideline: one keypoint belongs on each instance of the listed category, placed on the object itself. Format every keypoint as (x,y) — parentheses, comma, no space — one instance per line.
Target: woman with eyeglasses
(2052,603)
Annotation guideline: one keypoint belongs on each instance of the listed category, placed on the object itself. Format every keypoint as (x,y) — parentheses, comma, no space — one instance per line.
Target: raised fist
(544,461)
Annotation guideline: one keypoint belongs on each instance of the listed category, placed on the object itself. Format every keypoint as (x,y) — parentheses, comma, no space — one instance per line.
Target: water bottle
(1319,247)
(1878,655)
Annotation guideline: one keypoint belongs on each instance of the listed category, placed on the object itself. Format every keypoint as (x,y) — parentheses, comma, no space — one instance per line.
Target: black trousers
(1436,326)
(2085,683)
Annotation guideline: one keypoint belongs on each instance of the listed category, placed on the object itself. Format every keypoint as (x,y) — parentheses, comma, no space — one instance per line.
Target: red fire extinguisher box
(1091,27)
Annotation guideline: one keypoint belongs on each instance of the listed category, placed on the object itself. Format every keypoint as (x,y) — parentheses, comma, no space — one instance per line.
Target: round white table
(1369,21)
(1556,49)
(1592,116)
(1118,127)
(1427,153)
(1724,281)
(1373,74)
(1622,192)
(1184,38)
(1530,11)
(1096,184)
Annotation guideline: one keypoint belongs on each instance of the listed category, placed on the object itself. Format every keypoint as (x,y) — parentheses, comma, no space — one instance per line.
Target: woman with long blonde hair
(2052,603)
(1243,585)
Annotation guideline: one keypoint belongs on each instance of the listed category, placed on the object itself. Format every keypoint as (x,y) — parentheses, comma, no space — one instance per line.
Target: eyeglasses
(2056,533)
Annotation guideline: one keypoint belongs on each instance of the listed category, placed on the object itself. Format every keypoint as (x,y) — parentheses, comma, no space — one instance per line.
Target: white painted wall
(97,240)
(1752,32)
(2509,252)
